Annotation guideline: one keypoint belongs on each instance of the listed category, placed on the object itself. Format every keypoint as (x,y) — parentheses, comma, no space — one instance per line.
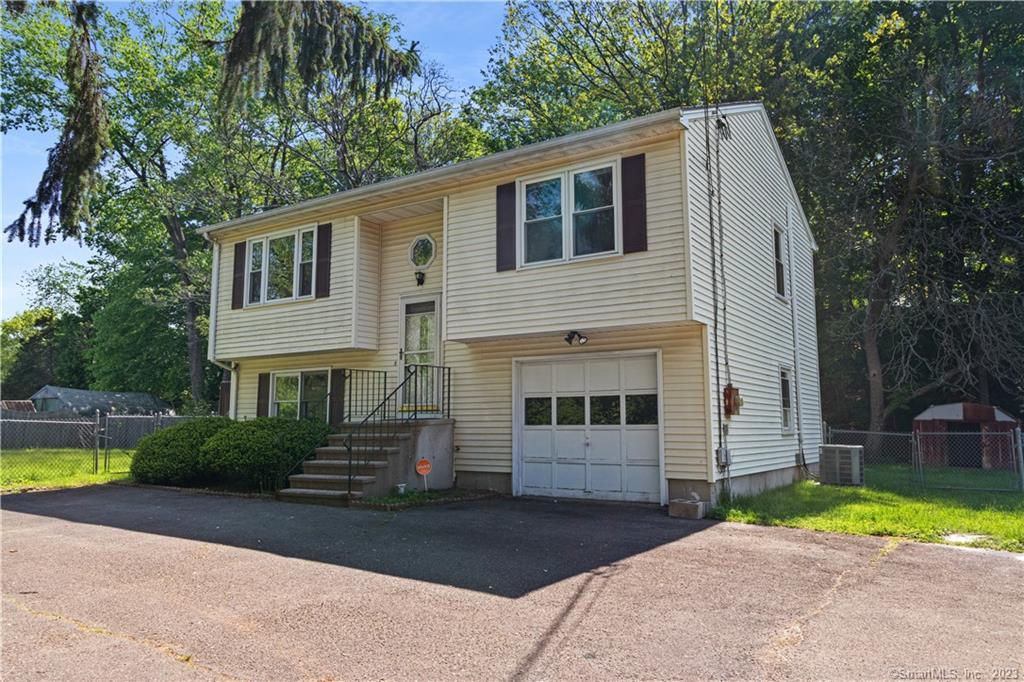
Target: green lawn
(892,504)
(58,468)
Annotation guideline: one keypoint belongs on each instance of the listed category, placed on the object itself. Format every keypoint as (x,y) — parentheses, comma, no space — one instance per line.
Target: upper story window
(780,262)
(569,215)
(281,266)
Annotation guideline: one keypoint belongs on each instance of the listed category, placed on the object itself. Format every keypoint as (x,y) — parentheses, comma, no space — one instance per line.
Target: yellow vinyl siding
(755,196)
(366,295)
(482,391)
(306,325)
(646,288)
(397,279)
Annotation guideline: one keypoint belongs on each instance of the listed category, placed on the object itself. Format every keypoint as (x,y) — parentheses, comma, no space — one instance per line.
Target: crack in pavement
(773,653)
(89,629)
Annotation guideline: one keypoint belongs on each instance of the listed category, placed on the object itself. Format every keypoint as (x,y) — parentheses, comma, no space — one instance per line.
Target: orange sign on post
(423,468)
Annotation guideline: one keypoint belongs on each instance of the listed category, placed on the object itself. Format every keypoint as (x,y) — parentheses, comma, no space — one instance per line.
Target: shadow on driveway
(499,546)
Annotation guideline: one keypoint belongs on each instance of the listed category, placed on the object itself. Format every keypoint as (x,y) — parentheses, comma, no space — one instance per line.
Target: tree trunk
(196,359)
(876,379)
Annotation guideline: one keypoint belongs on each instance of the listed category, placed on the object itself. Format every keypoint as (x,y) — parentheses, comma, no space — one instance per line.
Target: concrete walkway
(120,583)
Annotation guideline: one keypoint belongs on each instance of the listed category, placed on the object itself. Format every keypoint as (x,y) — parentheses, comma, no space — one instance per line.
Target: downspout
(793,325)
(212,340)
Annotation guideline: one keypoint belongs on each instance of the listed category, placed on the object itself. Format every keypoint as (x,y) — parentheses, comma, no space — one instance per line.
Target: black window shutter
(336,402)
(323,260)
(634,204)
(225,393)
(238,277)
(263,396)
(506,227)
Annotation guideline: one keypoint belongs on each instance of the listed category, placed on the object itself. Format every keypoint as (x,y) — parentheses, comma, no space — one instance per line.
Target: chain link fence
(961,460)
(58,450)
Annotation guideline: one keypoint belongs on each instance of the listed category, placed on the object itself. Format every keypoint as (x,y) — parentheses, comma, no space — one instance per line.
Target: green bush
(173,456)
(259,453)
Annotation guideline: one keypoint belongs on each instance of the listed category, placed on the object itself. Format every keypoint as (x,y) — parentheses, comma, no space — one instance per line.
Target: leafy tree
(332,39)
(901,125)
(28,353)
(178,161)
(70,174)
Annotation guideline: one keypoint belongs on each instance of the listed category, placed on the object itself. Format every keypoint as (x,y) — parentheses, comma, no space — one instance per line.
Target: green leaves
(70,175)
(320,39)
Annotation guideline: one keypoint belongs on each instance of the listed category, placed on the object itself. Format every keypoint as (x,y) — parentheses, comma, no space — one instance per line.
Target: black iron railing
(349,399)
(370,412)
(423,392)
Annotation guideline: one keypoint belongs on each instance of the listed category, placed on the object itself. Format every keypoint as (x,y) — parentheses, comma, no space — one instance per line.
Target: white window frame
(265,266)
(433,251)
(777,260)
(568,201)
(272,407)
(787,428)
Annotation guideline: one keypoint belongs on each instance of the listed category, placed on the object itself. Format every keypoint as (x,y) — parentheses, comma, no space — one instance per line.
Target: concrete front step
(340,466)
(358,452)
(338,498)
(329,481)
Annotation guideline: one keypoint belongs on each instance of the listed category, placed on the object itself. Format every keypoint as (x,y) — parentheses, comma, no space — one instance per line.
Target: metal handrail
(355,383)
(385,418)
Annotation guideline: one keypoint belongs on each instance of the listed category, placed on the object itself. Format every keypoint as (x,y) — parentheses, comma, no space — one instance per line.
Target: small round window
(421,252)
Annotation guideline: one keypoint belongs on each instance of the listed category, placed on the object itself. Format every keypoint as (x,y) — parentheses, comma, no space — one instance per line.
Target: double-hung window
(281,266)
(300,395)
(786,398)
(569,215)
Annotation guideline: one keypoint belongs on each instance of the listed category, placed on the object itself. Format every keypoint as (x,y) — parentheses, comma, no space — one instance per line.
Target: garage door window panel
(571,411)
(605,410)
(642,408)
(537,411)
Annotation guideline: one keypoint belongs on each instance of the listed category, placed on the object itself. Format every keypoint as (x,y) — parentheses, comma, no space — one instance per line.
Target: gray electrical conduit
(796,353)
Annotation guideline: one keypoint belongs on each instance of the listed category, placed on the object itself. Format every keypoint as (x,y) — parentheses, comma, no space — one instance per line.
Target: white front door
(420,341)
(590,428)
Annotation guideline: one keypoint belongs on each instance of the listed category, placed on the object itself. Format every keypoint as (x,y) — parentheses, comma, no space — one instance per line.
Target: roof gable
(695,113)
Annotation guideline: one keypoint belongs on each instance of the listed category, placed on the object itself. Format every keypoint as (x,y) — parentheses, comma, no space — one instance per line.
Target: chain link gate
(956,460)
(41,449)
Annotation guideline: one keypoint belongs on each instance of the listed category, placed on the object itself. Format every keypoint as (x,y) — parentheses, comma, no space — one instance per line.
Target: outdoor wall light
(577,337)
(420,278)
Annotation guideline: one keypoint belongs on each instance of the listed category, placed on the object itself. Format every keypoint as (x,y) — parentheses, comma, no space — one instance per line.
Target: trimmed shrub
(259,453)
(173,456)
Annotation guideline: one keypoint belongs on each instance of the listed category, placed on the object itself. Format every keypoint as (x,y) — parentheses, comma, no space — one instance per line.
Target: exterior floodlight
(575,336)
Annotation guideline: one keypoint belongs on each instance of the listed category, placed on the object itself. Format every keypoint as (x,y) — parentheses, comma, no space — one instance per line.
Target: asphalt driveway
(119,583)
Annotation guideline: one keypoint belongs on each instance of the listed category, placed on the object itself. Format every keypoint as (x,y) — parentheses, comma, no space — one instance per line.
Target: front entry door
(419,353)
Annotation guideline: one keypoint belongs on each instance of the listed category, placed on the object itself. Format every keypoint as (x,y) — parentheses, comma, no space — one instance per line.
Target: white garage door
(589,428)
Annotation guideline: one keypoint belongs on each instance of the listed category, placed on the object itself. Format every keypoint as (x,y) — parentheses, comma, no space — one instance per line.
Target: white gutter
(492,162)
(214,288)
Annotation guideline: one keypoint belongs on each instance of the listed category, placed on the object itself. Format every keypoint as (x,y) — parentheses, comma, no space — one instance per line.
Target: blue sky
(456,34)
